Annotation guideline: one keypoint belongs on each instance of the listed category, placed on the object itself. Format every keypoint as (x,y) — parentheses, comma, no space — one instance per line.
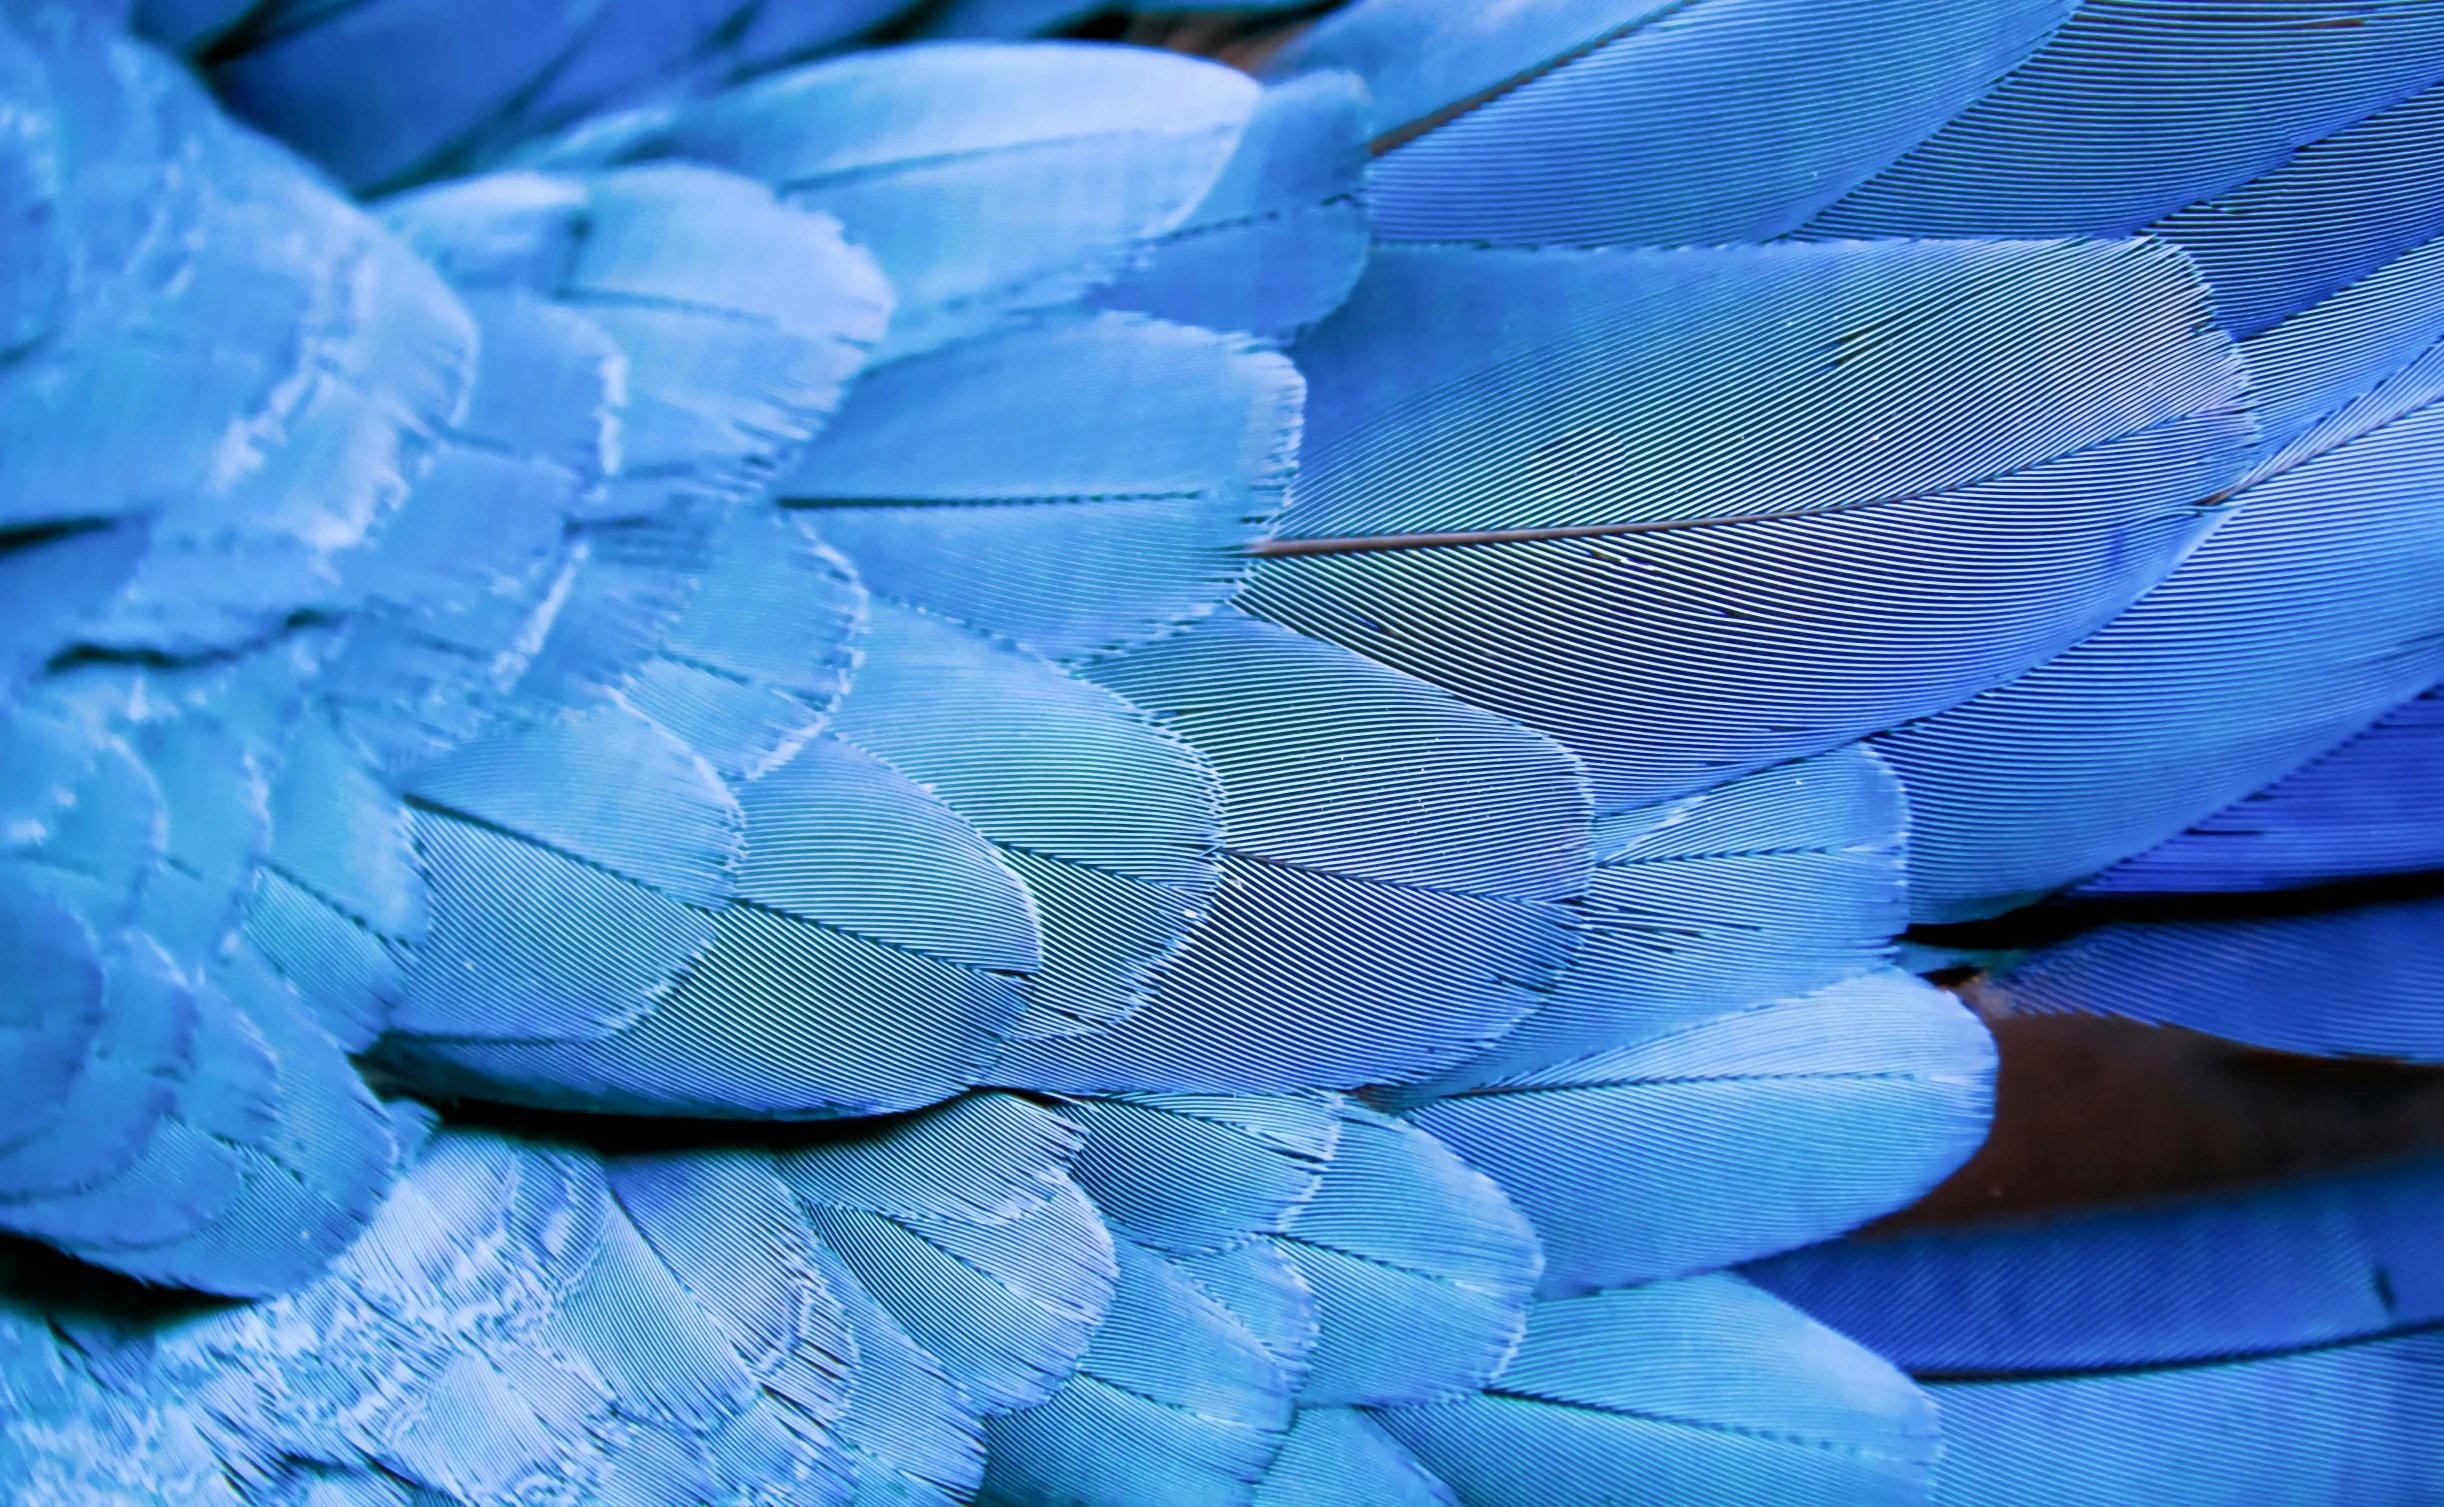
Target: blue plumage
(1538,124)
(1281,238)
(1735,1102)
(1420,1266)
(1499,494)
(1423,916)
(2204,1277)
(1613,1399)
(2352,1423)
(1066,541)
(2294,625)
(2359,980)
(2367,809)
(1296,807)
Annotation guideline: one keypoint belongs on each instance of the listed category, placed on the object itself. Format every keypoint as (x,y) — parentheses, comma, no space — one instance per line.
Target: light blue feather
(1341,1457)
(1079,486)
(503,1323)
(1421,1269)
(1107,818)
(1280,239)
(1733,1138)
(1627,1397)
(1861,532)
(1379,916)
(910,1434)
(261,369)
(1174,1401)
(2333,212)
(1781,882)
(1193,1174)
(2299,621)
(987,180)
(963,1223)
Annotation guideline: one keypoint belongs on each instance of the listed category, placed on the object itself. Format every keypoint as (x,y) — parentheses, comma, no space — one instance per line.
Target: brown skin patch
(2091,1110)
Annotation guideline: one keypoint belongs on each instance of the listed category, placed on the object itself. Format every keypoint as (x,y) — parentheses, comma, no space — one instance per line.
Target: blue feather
(2298,622)
(1377,918)
(1421,1269)
(383,92)
(910,1434)
(1078,486)
(246,365)
(2194,1278)
(2335,211)
(503,1322)
(1174,1401)
(1190,1174)
(2357,980)
(185,25)
(1108,819)
(987,180)
(1341,1457)
(2136,108)
(1626,1397)
(782,30)
(1262,1286)
(1732,1138)
(963,1223)
(204,1130)
(1280,239)
(2371,807)
(1500,494)
(1771,885)
(1544,123)
(2348,1424)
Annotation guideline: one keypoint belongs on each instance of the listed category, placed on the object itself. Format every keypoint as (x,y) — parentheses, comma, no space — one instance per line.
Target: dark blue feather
(963,1223)
(2350,1424)
(2186,1279)
(2361,980)
(383,92)
(1548,122)
(2300,620)
(1732,1138)
(1175,1401)
(2136,108)
(1341,1457)
(1771,885)
(1501,493)
(1631,1397)
(2371,807)
(1378,916)
(1279,240)
(1079,486)
(1421,1269)
(2332,213)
